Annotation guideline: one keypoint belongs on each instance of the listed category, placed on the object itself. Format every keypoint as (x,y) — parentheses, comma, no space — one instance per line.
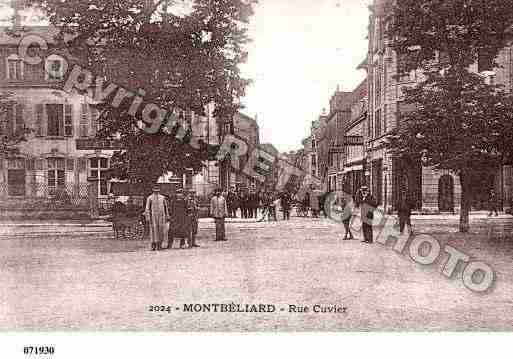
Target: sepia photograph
(261,166)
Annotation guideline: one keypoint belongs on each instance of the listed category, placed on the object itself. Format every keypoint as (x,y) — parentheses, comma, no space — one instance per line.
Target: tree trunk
(466,200)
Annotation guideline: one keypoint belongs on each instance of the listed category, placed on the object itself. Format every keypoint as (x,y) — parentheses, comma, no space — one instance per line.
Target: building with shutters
(61,152)
(353,148)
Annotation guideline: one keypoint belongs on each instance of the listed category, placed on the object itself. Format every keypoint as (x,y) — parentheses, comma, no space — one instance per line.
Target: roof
(245,117)
(363,65)
(269,148)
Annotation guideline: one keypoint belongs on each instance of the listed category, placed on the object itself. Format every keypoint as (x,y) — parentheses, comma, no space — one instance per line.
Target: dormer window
(55,68)
(14,68)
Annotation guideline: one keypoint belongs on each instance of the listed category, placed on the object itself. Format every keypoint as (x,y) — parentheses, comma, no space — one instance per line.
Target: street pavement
(82,279)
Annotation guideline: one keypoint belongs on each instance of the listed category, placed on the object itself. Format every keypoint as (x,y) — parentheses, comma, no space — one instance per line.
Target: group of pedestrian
(172,217)
(364,204)
(247,201)
(252,203)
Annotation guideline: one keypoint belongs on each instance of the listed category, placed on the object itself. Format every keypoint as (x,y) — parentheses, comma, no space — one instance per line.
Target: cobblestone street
(89,281)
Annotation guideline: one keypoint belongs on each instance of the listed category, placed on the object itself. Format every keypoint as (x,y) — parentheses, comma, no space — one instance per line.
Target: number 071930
(38,350)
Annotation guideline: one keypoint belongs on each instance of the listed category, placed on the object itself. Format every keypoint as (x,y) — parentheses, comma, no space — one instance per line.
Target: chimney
(16,22)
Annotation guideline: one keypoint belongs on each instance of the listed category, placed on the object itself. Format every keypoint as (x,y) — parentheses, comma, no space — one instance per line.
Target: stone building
(353,163)
(61,152)
(246,128)
(430,190)
(54,170)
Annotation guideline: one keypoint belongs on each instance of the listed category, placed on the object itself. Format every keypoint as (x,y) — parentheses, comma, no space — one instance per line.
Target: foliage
(460,122)
(181,59)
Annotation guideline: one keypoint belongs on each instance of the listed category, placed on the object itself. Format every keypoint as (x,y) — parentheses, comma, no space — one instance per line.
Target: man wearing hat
(157,216)
(179,220)
(219,211)
(366,202)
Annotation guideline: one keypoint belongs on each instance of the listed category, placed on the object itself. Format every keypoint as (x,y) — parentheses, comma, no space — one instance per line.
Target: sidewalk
(103,228)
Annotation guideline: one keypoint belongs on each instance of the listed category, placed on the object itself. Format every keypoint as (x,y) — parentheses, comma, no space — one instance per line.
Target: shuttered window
(68,120)
(40,125)
(84,120)
(20,123)
(14,122)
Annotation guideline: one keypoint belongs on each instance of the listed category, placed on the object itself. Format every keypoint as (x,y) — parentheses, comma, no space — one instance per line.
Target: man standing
(493,204)
(231,199)
(368,204)
(157,215)
(179,227)
(219,211)
(286,202)
(192,212)
(253,203)
(242,204)
(404,213)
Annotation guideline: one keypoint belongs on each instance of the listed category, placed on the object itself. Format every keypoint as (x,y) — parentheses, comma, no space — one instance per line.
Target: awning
(353,168)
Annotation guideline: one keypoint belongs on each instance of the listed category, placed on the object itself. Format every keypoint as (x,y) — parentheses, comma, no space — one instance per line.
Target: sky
(301,51)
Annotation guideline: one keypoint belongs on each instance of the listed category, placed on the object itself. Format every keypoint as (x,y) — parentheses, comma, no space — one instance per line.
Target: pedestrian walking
(252,204)
(286,203)
(231,202)
(219,211)
(275,207)
(404,208)
(244,204)
(493,204)
(346,206)
(315,203)
(367,204)
(157,216)
(266,206)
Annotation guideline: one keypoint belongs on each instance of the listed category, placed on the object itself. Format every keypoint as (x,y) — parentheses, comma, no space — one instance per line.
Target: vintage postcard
(256,166)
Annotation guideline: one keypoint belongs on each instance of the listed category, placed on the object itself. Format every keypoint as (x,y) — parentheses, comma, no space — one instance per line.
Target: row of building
(346,146)
(62,164)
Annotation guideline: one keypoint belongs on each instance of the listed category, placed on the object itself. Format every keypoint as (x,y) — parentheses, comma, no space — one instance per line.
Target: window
(404,108)
(16,177)
(56,173)
(84,120)
(378,69)
(14,68)
(98,168)
(402,71)
(55,68)
(13,121)
(60,120)
(377,123)
(385,118)
(95,123)
(484,61)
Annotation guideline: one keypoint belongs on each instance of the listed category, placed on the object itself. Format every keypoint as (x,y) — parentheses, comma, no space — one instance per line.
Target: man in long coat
(157,215)
(368,205)
(219,211)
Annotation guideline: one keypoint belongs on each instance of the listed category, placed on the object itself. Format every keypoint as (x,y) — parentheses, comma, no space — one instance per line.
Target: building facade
(61,152)
(390,179)
(246,128)
(354,152)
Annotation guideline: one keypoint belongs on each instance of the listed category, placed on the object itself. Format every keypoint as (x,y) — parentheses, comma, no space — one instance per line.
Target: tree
(460,122)
(180,59)
(10,135)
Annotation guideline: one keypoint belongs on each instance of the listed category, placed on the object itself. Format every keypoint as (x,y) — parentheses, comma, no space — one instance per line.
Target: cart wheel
(139,231)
